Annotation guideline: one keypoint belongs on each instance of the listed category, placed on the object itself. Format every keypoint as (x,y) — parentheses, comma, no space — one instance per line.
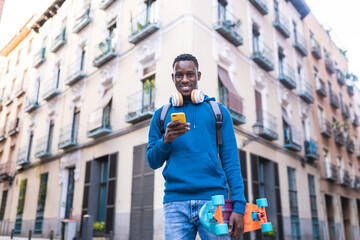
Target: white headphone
(197,96)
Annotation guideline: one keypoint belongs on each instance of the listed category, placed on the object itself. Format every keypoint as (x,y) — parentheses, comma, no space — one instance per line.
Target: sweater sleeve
(157,151)
(228,152)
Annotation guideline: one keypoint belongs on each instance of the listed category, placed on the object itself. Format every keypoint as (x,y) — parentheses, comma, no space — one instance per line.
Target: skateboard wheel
(217,200)
(221,229)
(262,202)
(266,227)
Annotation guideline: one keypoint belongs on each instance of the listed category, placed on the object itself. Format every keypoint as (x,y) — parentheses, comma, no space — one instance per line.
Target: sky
(341,17)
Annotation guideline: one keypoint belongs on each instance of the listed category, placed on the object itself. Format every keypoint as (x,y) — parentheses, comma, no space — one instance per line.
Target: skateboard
(214,215)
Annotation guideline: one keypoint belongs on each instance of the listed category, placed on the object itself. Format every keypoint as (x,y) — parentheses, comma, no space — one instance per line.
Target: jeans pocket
(167,204)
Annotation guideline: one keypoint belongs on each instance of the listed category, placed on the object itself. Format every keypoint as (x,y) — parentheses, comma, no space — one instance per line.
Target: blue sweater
(193,170)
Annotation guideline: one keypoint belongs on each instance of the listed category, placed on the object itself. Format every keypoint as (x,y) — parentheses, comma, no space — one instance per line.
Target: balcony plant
(99,226)
(148,85)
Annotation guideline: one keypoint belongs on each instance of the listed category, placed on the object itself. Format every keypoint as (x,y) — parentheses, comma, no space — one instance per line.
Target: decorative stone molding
(67,161)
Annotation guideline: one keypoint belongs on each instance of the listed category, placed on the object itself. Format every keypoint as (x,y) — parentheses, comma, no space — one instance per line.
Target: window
(70,193)
(294,209)
(50,137)
(3,204)
(57,76)
(82,59)
(18,57)
(41,204)
(255,38)
(28,156)
(20,206)
(75,124)
(37,90)
(313,207)
(281,57)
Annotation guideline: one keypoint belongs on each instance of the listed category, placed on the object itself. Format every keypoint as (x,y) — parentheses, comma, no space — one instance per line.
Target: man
(193,173)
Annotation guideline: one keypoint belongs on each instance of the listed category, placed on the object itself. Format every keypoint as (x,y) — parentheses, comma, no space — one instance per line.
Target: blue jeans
(181,221)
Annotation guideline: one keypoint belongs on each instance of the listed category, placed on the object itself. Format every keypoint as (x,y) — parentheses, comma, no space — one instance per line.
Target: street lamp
(258,128)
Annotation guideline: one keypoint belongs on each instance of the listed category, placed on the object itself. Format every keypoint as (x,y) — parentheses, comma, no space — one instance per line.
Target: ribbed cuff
(163,146)
(239,207)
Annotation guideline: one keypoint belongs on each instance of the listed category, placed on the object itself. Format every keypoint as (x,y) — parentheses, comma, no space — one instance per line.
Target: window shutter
(242,157)
(141,220)
(86,188)
(111,193)
(255,176)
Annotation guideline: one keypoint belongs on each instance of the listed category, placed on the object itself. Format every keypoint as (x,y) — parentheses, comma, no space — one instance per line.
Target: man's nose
(185,78)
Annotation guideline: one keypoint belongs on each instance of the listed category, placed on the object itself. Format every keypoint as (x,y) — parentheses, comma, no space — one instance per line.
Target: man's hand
(174,130)
(236,224)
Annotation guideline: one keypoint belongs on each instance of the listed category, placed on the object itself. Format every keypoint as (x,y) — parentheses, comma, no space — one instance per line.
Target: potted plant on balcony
(98,228)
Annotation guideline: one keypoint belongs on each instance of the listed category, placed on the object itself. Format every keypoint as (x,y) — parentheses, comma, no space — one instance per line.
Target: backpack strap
(163,112)
(215,107)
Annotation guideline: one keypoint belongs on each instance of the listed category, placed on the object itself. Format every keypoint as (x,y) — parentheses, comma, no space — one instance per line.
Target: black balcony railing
(141,106)
(99,122)
(13,127)
(5,172)
(19,89)
(31,104)
(238,117)
(43,146)
(76,71)
(228,26)
(334,100)
(306,91)
(262,55)
(345,110)
(82,20)
(105,51)
(22,158)
(315,49)
(50,89)
(68,137)
(356,120)
(320,87)
(281,23)
(344,178)
(144,24)
(59,41)
(326,128)
(339,138)
(350,146)
(267,125)
(104,4)
(292,139)
(311,151)
(340,77)
(260,5)
(329,65)
(300,44)
(331,172)
(287,75)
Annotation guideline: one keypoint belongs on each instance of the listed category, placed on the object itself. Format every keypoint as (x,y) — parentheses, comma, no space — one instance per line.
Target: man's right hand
(174,130)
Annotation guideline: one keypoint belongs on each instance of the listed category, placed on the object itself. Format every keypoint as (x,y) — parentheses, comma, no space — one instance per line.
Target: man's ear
(199,75)
(172,77)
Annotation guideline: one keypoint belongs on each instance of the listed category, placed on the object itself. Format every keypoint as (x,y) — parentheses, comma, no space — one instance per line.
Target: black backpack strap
(163,112)
(215,107)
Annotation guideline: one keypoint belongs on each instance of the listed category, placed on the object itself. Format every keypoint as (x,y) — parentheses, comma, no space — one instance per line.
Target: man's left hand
(236,224)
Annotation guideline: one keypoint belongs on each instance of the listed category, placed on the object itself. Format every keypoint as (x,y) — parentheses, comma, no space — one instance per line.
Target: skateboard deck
(214,215)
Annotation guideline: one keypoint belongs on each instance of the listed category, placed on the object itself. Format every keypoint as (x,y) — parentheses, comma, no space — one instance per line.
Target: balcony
(350,146)
(22,159)
(51,89)
(68,137)
(238,117)
(281,23)
(43,148)
(104,4)
(286,75)
(300,44)
(2,134)
(228,26)
(311,151)
(331,172)
(105,51)
(99,123)
(345,110)
(19,90)
(140,106)
(329,65)
(356,120)
(350,90)
(339,138)
(356,185)
(292,139)
(262,55)
(82,20)
(31,104)
(39,58)
(59,41)
(320,87)
(8,99)
(334,100)
(306,92)
(266,124)
(340,77)
(344,178)
(13,127)
(5,173)
(326,128)
(315,48)
(144,24)
(75,72)
(260,5)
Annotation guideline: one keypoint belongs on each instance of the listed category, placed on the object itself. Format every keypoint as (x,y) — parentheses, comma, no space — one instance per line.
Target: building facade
(93,72)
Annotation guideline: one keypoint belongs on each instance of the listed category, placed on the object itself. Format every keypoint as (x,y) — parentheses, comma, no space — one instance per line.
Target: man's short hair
(186,57)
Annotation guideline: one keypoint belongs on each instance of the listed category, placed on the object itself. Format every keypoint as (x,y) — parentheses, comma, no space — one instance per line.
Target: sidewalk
(23,238)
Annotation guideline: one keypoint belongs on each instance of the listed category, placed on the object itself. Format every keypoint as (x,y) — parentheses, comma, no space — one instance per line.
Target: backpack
(215,107)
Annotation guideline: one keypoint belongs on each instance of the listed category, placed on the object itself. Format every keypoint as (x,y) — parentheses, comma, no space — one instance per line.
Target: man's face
(185,77)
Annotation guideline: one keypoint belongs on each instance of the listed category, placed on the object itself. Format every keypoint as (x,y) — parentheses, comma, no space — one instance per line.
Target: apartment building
(97,71)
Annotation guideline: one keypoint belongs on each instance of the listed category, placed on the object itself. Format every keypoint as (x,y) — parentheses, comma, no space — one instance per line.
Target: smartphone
(178,116)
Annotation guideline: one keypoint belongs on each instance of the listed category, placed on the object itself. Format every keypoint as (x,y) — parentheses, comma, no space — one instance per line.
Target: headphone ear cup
(177,99)
(197,96)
